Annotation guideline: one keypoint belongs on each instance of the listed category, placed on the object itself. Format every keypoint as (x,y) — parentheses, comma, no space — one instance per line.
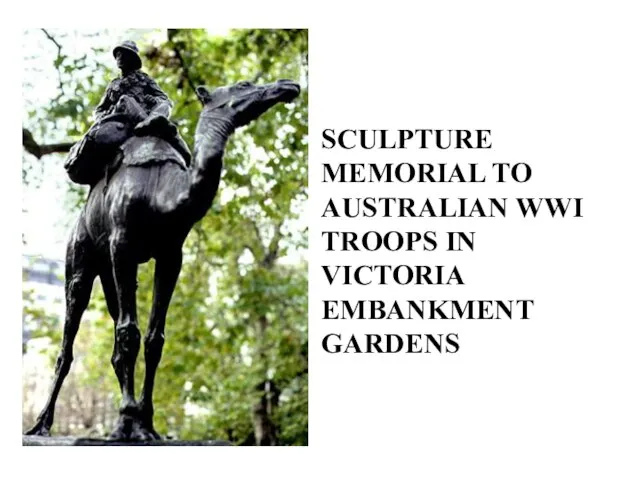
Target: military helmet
(131,48)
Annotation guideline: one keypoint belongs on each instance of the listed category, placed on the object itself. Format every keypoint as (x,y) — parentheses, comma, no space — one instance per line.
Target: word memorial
(377,257)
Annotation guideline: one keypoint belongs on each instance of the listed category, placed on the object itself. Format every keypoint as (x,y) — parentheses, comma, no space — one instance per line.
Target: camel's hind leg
(166,275)
(79,275)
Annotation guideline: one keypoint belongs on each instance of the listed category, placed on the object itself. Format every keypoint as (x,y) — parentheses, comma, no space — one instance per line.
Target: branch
(52,38)
(176,48)
(257,232)
(199,252)
(37,150)
(272,250)
(55,42)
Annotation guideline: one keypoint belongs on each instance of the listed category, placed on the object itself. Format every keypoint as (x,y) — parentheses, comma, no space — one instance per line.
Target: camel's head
(243,102)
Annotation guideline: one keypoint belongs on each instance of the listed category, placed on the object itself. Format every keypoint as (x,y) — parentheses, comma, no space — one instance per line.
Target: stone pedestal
(34,440)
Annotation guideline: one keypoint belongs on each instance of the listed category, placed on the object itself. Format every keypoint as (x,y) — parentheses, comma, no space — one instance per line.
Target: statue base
(38,441)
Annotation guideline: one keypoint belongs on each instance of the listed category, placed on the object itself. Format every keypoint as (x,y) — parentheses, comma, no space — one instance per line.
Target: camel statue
(144,210)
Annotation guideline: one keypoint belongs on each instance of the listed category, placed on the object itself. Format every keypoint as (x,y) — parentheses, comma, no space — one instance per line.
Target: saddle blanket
(138,151)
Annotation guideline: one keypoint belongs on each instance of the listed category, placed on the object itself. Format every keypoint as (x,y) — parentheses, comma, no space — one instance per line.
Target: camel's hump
(140,151)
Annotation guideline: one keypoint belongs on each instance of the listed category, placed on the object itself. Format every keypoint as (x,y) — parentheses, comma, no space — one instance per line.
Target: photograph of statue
(182,174)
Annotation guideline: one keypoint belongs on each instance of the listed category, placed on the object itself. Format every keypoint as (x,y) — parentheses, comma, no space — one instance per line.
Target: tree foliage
(235,357)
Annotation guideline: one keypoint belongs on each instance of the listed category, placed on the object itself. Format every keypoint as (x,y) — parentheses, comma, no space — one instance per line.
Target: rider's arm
(155,95)
(103,107)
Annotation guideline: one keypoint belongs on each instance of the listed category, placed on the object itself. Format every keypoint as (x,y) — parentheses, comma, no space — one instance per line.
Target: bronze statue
(144,209)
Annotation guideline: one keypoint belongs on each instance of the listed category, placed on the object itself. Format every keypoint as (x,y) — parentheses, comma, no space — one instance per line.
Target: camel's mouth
(285,90)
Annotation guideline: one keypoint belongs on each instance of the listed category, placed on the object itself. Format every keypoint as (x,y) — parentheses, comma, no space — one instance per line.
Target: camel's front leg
(79,275)
(166,275)
(127,334)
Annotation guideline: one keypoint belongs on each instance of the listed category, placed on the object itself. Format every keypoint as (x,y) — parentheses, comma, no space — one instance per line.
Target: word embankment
(426,310)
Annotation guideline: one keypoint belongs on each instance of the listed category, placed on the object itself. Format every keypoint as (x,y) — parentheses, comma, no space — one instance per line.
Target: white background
(553,397)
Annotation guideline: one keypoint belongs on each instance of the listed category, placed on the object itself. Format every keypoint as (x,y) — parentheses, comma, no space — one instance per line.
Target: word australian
(420,138)
(367,207)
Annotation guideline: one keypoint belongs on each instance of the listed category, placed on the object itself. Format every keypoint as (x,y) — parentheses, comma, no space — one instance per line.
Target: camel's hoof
(39,429)
(131,429)
(146,433)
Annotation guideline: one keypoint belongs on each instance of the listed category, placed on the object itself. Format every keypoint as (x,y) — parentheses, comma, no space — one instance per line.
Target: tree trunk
(266,432)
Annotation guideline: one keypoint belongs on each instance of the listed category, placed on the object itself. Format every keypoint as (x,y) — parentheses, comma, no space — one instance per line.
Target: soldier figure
(133,104)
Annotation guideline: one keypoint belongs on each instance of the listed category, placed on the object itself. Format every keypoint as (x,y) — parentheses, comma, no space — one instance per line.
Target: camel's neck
(212,134)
